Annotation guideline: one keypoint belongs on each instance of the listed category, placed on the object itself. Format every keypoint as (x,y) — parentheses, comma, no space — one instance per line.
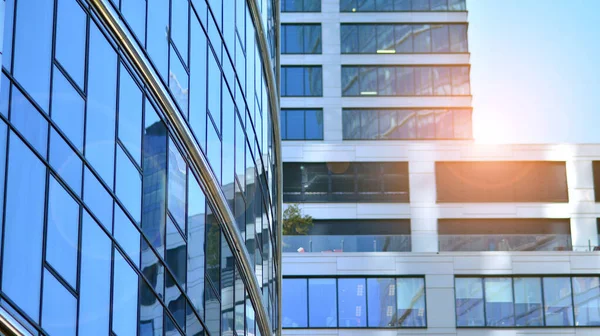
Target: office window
(322,303)
(402,5)
(411,302)
(389,124)
(294,306)
(300,5)
(499,307)
(586,294)
(352,303)
(59,308)
(501,181)
(469,302)
(528,302)
(381,302)
(346,182)
(301,81)
(558,301)
(301,124)
(365,81)
(300,38)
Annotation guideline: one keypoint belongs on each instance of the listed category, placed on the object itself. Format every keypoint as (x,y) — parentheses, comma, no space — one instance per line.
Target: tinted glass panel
(127,235)
(134,12)
(158,44)
(314,124)
(70,39)
(130,115)
(499,302)
(322,303)
(98,199)
(195,239)
(129,185)
(469,302)
(125,297)
(59,308)
(294,303)
(381,302)
(178,82)
(64,160)
(67,109)
(177,186)
(352,303)
(411,302)
(586,292)
(29,122)
(198,81)
(528,302)
(558,304)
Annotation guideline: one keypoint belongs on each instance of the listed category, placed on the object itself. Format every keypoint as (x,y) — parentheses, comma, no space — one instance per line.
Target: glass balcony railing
(508,242)
(370,243)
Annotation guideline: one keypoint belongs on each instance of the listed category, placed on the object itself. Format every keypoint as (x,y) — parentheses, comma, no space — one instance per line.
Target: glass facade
(103,195)
(300,38)
(354,302)
(299,124)
(402,5)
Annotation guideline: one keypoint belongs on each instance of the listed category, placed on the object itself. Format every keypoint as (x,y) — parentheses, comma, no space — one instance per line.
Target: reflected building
(139,168)
(417,229)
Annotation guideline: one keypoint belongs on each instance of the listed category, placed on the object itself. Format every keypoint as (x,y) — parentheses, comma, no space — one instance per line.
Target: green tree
(294,223)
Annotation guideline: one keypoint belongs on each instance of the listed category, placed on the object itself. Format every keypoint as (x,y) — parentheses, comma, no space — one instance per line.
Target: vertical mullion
(572,301)
(482,282)
(366,284)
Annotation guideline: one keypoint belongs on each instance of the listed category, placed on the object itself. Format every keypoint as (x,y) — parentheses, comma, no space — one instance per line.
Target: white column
(580,179)
(423,210)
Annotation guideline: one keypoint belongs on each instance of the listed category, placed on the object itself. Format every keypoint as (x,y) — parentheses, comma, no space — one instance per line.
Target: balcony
(505,242)
(347,243)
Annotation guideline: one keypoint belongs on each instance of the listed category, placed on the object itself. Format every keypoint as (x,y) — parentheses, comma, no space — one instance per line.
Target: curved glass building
(140,168)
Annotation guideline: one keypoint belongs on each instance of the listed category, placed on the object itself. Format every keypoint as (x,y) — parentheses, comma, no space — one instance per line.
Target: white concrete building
(419,231)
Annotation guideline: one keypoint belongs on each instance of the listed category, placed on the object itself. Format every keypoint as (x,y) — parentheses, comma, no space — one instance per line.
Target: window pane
(59,308)
(195,239)
(312,39)
(457,5)
(129,185)
(441,81)
(239,303)
(178,83)
(422,38)
(295,124)
(25,193)
(198,83)
(368,80)
(406,125)
(213,312)
(312,5)
(212,249)
(443,124)
(384,5)
(27,119)
(423,81)
(366,41)
(458,38)
(151,312)
(426,124)
(179,21)
(314,124)
(352,303)
(100,123)
(381,302)
(439,5)
(402,5)
(64,160)
(369,125)
(8,13)
(349,81)
(158,43)
(214,90)
(292,39)
(386,80)
(420,5)
(346,5)
(460,81)
(67,109)
(227,283)
(98,199)
(62,237)
(134,12)
(528,302)
(385,37)
(558,304)
(33,48)
(282,126)
(411,302)
(4,95)
(177,179)
(469,302)
(462,124)
(94,300)
(228,144)
(70,40)
(313,81)
(405,81)
(294,81)
(127,235)
(176,253)
(366,5)
(213,145)
(586,292)
(403,36)
(322,303)
(125,297)
(294,303)
(130,115)
(351,124)
(499,302)
(349,38)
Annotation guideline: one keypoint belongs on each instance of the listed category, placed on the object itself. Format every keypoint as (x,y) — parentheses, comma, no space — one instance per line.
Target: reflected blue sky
(534,73)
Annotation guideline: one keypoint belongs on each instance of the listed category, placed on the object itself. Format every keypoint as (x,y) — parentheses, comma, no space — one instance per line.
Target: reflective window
(198,79)
(151,320)
(94,299)
(130,115)
(64,160)
(214,90)
(178,82)
(227,283)
(458,38)
(213,239)
(175,256)
(179,32)
(294,306)
(195,239)
(558,304)
(25,193)
(70,40)
(411,302)
(213,148)
(586,293)
(381,302)
(528,302)
(300,5)
(67,109)
(128,185)
(59,308)
(32,61)
(5,85)
(418,80)
(177,185)
(158,28)
(134,12)
(301,38)
(301,81)
(29,122)
(499,308)
(125,297)
(127,235)
(100,116)
(322,303)
(9,10)
(62,233)
(301,124)
(469,302)
(212,308)
(98,199)
(228,145)
(352,303)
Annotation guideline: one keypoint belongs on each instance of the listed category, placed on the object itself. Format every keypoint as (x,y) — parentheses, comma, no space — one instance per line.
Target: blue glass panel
(528,302)
(70,39)
(158,34)
(212,307)
(227,282)
(130,114)
(352,303)
(198,83)
(176,303)
(134,12)
(176,254)
(216,8)
(178,83)
(558,301)
(25,193)
(411,302)
(586,292)
(179,29)
(154,197)
(4,95)
(214,151)
(294,303)
(229,113)
(151,312)
(127,235)
(214,90)
(322,303)
(67,109)
(295,124)
(27,119)
(125,297)
(66,163)
(9,11)
(98,199)
(499,306)
(469,302)
(128,185)
(3,139)
(177,172)
(212,248)
(100,123)
(195,238)
(33,48)
(250,318)
(62,237)
(193,326)
(59,308)
(381,302)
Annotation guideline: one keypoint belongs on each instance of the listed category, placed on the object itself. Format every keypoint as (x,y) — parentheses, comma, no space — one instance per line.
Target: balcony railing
(507,242)
(370,243)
